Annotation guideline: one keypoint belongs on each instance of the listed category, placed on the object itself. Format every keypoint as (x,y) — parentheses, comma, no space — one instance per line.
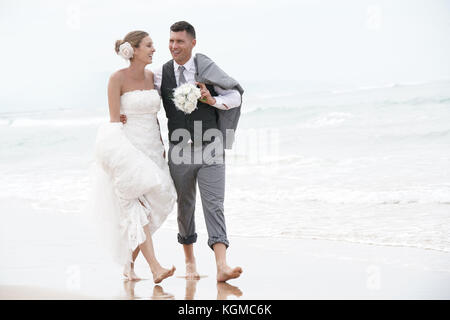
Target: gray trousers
(211,182)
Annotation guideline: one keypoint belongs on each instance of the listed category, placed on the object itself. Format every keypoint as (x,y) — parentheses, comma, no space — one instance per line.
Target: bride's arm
(160,136)
(114,86)
(156,86)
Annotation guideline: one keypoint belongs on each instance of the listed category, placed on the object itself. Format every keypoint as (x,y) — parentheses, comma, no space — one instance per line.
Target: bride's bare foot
(225,273)
(129,273)
(162,274)
(191,271)
(129,288)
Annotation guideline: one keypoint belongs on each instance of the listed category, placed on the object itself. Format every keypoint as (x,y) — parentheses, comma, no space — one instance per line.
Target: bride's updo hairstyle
(133,37)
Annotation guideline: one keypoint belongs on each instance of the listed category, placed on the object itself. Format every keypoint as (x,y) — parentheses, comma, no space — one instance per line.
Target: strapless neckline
(137,90)
(140,102)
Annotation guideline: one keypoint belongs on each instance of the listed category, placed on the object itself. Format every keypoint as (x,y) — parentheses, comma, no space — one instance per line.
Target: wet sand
(47,255)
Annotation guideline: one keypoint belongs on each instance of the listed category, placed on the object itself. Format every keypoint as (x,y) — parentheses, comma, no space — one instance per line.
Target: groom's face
(180,46)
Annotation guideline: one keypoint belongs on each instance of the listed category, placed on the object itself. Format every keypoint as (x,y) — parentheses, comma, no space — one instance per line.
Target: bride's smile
(145,51)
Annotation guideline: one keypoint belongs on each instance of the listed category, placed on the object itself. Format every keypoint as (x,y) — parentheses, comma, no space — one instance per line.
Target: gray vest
(178,119)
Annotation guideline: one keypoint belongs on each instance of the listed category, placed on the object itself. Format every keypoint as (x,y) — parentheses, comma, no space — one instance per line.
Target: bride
(134,192)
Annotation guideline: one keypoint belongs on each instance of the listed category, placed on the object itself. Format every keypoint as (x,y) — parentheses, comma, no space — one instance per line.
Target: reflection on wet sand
(191,287)
(224,290)
(129,285)
(159,294)
(158,291)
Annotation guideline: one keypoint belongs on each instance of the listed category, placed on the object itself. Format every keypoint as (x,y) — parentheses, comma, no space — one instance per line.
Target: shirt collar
(189,65)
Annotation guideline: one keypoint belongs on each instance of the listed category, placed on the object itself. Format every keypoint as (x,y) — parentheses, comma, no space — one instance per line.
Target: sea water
(368,164)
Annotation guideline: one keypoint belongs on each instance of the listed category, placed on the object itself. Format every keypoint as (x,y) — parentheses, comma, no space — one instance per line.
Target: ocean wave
(417,101)
(365,88)
(342,195)
(5,122)
(432,134)
(376,241)
(436,134)
(391,85)
(64,122)
(323,103)
(414,136)
(327,120)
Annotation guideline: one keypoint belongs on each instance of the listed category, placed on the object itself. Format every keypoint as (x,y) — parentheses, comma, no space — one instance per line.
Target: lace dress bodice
(142,129)
(139,102)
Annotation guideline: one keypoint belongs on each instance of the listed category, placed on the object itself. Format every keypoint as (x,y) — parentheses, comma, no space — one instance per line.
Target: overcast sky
(61,52)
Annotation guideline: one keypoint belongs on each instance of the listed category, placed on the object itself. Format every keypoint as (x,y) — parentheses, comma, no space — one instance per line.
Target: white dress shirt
(225,100)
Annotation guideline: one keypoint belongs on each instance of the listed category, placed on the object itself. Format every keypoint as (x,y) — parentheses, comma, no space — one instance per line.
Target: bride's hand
(123,118)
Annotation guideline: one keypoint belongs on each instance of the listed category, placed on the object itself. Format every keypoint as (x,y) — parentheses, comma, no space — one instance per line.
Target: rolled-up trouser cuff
(187,240)
(214,240)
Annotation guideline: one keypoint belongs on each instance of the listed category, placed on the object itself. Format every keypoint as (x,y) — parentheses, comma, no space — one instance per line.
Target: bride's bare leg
(135,254)
(128,271)
(159,273)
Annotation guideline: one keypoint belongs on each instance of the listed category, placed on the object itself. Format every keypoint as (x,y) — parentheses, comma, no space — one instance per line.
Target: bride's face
(145,51)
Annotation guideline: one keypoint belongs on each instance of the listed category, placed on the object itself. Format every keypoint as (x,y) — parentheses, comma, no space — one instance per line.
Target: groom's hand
(206,95)
(123,118)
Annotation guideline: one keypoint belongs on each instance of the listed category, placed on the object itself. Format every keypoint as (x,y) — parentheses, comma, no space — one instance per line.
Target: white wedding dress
(133,186)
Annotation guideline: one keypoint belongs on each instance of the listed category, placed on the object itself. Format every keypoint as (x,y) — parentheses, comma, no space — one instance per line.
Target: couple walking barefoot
(136,188)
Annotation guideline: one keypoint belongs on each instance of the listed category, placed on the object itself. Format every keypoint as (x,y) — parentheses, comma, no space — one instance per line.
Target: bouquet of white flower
(185,97)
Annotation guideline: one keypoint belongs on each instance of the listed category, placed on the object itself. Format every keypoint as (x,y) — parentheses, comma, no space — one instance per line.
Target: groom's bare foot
(225,289)
(191,288)
(191,270)
(162,274)
(159,294)
(225,273)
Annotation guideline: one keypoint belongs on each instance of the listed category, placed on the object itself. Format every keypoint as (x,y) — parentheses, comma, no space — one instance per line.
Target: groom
(208,172)
(210,176)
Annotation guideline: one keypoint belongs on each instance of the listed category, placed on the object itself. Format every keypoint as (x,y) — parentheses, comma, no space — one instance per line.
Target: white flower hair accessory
(126,51)
(185,97)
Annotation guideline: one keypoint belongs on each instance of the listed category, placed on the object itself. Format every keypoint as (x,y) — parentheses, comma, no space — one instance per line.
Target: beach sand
(45,255)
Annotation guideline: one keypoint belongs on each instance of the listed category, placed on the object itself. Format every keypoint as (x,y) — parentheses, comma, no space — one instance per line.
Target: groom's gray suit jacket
(209,73)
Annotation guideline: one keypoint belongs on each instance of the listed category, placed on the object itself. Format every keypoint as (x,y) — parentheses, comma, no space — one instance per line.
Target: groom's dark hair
(183,26)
